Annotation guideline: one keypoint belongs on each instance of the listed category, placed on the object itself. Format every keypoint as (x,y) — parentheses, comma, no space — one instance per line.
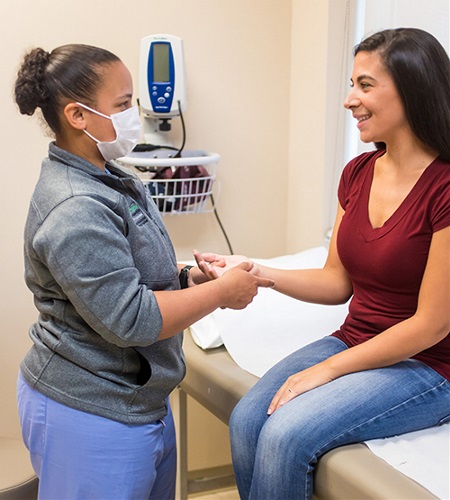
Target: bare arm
(329,285)
(429,325)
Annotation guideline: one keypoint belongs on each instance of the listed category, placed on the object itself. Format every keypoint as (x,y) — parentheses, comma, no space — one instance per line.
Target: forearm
(234,290)
(319,286)
(395,344)
(402,341)
(181,308)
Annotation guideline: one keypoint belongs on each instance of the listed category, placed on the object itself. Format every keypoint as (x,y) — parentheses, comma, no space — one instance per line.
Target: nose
(351,101)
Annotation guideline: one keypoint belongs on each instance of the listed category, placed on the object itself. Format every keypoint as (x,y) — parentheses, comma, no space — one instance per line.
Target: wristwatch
(184,276)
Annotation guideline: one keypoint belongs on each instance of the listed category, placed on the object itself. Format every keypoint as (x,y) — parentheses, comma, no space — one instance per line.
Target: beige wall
(256,72)
(306,126)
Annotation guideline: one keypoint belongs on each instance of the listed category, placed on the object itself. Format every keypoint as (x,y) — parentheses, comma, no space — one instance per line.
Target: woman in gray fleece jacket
(107,349)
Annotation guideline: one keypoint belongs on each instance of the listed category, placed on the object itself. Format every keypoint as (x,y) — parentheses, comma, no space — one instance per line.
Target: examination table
(215,381)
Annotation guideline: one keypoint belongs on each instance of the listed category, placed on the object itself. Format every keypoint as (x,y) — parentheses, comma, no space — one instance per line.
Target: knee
(286,437)
(238,416)
(246,421)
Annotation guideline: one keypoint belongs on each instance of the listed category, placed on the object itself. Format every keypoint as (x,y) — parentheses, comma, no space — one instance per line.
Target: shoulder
(435,192)
(61,185)
(439,169)
(360,163)
(354,174)
(436,178)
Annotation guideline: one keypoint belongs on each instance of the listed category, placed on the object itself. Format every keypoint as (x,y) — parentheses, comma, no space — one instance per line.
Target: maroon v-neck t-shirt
(386,264)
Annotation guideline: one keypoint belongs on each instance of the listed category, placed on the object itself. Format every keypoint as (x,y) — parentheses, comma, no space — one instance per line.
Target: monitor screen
(161,62)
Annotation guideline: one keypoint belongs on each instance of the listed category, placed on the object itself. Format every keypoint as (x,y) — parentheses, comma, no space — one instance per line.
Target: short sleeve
(440,200)
(352,176)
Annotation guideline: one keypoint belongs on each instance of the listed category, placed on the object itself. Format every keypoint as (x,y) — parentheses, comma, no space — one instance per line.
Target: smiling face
(374,101)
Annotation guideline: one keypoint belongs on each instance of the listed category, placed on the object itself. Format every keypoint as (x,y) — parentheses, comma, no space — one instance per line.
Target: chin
(365,139)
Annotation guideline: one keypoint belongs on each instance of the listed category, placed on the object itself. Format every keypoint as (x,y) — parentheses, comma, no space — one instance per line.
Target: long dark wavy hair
(420,68)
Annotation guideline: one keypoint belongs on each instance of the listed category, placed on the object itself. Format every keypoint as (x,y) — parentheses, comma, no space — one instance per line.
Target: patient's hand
(214,265)
(301,382)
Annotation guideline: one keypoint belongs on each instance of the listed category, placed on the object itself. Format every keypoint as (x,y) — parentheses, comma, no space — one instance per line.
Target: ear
(75,116)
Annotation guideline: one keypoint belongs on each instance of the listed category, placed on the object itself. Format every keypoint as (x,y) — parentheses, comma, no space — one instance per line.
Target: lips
(361,119)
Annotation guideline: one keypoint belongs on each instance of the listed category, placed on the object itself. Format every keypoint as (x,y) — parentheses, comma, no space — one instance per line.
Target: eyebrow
(364,77)
(124,96)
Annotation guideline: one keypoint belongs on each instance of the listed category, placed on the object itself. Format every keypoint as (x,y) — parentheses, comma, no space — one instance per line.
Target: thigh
(366,405)
(82,456)
(166,469)
(32,411)
(250,414)
(372,404)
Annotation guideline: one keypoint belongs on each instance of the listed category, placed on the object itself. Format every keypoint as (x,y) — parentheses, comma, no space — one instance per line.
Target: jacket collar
(119,179)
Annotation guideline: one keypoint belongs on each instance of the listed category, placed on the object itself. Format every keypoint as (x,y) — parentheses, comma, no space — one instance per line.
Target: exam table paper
(274,325)
(422,455)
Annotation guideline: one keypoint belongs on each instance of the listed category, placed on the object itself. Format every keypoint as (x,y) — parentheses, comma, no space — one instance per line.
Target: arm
(429,325)
(93,267)
(329,285)
(235,289)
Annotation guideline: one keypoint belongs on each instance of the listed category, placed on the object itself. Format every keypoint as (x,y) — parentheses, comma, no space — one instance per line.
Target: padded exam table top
(349,472)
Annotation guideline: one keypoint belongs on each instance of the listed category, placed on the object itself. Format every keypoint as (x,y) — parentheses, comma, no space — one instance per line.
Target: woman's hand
(299,383)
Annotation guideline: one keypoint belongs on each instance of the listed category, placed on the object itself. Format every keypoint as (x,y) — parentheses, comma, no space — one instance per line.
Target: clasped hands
(237,275)
(214,265)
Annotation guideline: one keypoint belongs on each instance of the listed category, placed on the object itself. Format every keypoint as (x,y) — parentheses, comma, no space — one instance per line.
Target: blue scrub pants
(77,455)
(274,457)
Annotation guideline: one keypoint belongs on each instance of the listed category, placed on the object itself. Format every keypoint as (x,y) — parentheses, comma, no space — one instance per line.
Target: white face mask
(127,125)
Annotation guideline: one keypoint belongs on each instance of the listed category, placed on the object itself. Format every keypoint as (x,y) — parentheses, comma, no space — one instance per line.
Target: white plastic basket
(177,185)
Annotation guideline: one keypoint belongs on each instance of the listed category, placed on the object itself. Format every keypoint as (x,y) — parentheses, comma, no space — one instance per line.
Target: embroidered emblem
(136,213)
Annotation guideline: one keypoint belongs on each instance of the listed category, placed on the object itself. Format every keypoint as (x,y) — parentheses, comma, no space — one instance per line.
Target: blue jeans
(274,457)
(77,455)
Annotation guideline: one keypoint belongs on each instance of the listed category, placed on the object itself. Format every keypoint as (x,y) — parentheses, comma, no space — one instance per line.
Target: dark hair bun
(30,89)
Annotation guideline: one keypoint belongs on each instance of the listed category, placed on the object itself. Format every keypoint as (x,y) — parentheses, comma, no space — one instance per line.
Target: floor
(223,494)
(214,483)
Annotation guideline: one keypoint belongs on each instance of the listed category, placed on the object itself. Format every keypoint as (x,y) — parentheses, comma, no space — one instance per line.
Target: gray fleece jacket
(95,251)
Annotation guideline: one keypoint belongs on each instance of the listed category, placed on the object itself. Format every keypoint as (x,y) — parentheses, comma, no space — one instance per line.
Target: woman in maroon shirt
(386,371)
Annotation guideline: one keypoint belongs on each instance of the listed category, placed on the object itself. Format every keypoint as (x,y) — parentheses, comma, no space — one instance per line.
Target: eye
(123,105)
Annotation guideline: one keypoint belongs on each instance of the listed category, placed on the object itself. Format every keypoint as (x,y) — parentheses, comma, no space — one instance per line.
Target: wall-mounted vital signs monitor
(162,83)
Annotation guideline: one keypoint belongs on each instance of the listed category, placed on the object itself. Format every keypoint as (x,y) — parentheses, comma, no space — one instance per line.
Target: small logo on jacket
(136,213)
